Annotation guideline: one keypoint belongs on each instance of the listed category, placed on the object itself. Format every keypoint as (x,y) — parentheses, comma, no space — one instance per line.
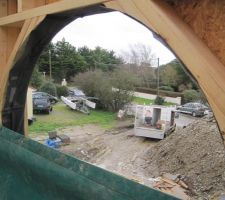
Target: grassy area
(143,101)
(62,116)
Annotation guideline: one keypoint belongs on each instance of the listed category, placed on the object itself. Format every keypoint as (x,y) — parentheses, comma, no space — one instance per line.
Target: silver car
(195,109)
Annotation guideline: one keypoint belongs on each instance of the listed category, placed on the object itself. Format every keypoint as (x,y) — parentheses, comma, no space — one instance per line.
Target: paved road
(184,120)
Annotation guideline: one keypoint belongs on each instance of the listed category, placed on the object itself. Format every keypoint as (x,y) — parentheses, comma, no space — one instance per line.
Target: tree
(190,95)
(36,78)
(173,75)
(43,61)
(141,60)
(139,54)
(67,61)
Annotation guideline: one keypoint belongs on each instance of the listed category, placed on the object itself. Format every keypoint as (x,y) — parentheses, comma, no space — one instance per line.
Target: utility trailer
(154,121)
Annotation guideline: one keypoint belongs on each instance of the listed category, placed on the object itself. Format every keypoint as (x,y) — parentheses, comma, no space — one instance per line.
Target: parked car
(195,109)
(40,95)
(42,105)
(76,93)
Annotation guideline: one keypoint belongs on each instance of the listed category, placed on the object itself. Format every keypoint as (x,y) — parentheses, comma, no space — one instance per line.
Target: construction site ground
(195,152)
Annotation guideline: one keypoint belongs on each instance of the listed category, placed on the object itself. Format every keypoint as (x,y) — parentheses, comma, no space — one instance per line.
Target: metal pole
(157,76)
(50,65)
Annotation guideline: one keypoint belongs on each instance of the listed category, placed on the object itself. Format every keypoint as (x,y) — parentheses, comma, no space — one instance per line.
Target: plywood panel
(29,4)
(12,7)
(3,8)
(206,18)
(12,34)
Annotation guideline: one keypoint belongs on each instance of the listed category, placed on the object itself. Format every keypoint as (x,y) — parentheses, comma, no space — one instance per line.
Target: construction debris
(64,139)
(175,187)
(55,141)
(52,134)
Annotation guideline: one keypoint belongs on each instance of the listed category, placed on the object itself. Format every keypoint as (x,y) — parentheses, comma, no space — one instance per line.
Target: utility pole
(50,64)
(157,76)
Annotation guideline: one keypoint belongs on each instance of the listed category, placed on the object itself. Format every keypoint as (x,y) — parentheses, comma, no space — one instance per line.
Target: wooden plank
(51,1)
(3,8)
(48,9)
(12,34)
(29,4)
(12,7)
(205,66)
(3,47)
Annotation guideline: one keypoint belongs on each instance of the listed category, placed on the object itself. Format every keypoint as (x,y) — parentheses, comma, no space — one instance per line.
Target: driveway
(185,119)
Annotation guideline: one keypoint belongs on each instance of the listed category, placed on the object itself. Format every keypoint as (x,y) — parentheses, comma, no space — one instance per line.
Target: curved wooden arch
(20,20)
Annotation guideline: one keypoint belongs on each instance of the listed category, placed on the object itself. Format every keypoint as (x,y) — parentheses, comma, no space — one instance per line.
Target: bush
(190,95)
(62,91)
(161,92)
(166,87)
(49,88)
(100,84)
(89,81)
(159,100)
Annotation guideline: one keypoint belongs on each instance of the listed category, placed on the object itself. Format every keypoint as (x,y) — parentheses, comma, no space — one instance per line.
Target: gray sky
(112,31)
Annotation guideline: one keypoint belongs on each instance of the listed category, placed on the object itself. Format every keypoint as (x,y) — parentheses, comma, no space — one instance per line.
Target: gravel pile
(197,152)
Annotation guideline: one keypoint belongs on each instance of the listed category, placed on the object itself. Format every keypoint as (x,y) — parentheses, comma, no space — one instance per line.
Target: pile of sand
(197,152)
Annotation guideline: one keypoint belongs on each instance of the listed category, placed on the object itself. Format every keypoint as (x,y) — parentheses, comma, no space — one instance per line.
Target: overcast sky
(112,31)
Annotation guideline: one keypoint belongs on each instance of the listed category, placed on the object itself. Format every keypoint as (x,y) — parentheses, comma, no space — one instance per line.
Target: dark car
(40,95)
(195,109)
(42,105)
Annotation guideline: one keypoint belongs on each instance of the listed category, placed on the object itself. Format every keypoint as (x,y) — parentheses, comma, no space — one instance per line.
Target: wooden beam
(130,10)
(9,60)
(48,9)
(19,5)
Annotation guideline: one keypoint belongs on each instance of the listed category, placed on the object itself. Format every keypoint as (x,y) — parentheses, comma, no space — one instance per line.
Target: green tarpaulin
(30,170)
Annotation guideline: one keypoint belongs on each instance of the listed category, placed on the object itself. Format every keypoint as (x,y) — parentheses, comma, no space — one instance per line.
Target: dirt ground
(115,150)
(196,152)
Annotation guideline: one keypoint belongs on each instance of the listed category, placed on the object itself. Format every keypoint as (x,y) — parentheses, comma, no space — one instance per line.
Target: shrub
(89,81)
(159,100)
(100,84)
(161,92)
(190,95)
(62,91)
(49,88)
(166,87)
